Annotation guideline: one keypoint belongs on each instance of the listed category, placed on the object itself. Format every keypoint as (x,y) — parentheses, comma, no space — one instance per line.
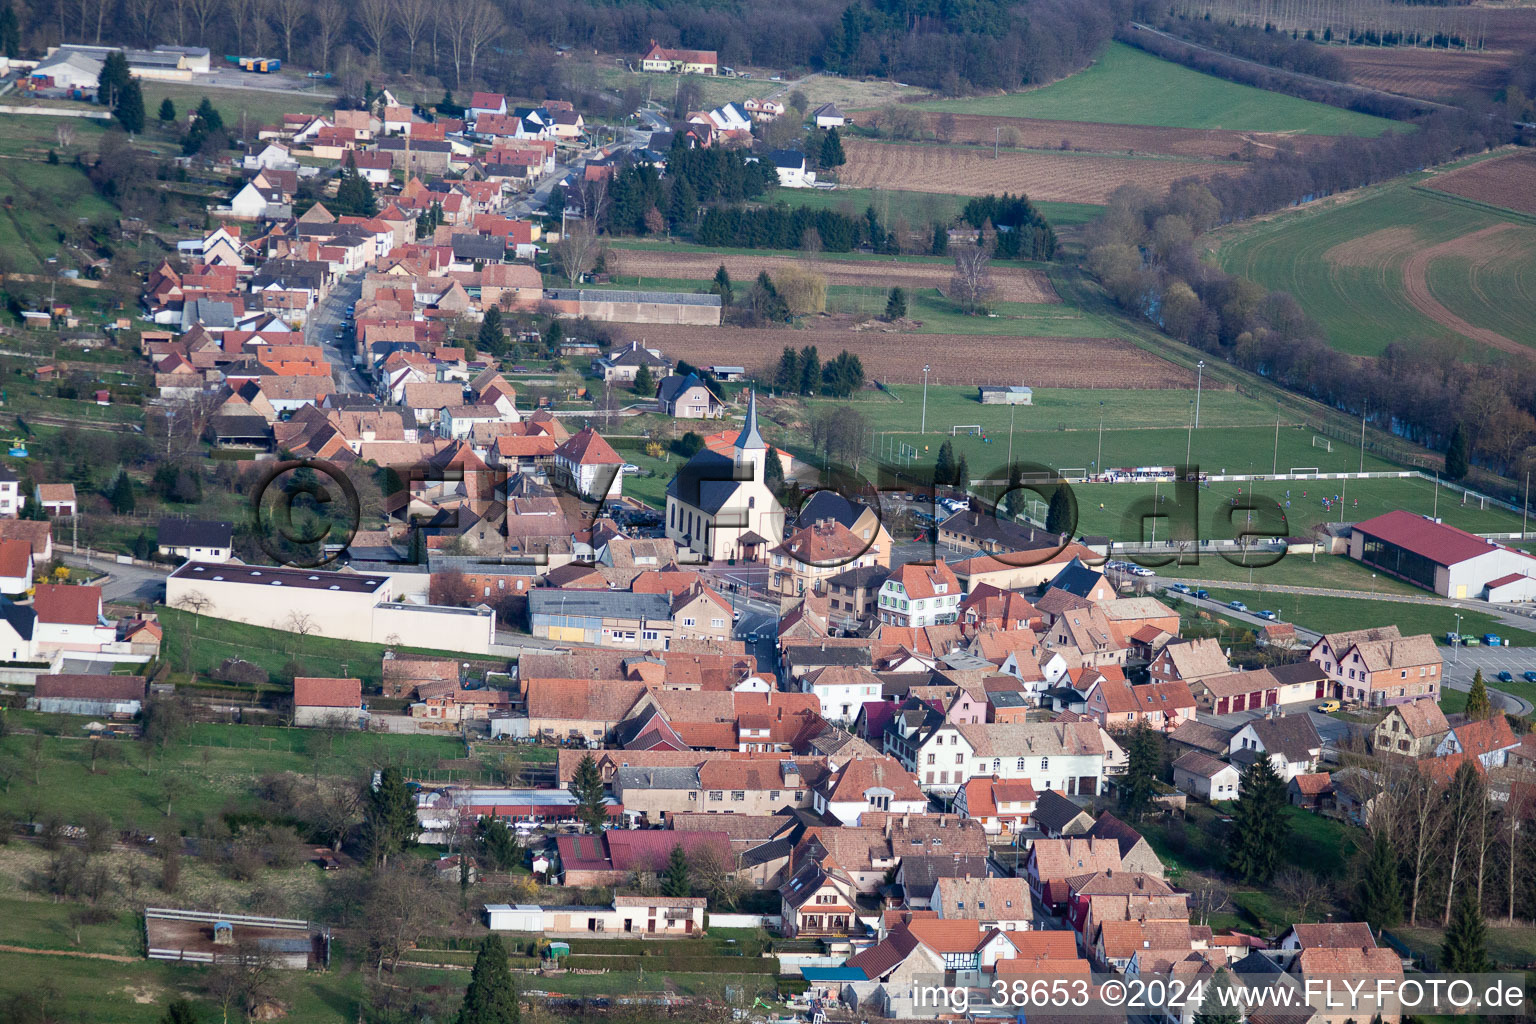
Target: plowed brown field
(1508,181)
(1032,133)
(955,358)
(1015,284)
(1432,74)
(1044,177)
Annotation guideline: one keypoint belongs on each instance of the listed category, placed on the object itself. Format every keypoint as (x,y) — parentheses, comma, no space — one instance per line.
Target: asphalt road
(321,329)
(125,583)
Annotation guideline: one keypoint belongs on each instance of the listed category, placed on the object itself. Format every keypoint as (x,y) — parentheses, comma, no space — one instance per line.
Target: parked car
(1180,588)
(1202,594)
(1141,570)
(1267,614)
(630,469)
(1237,606)
(1492,639)
(1529,677)
(1505,677)
(1327,707)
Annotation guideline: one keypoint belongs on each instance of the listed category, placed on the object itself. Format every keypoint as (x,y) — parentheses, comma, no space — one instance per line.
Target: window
(716,795)
(1020,765)
(738,795)
(687,622)
(773,795)
(931,758)
(997,764)
(716,623)
(959,759)
(1045,765)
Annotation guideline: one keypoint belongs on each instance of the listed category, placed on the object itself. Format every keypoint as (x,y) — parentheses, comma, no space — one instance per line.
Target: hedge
(680,965)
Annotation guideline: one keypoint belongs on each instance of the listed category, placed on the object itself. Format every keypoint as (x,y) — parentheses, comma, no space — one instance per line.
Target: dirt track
(899,358)
(1416,283)
(1015,284)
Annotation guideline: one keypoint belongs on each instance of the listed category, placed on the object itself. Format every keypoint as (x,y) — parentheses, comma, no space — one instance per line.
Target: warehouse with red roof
(1451,562)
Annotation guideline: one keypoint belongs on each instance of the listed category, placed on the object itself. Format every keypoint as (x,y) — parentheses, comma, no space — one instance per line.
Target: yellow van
(1327,707)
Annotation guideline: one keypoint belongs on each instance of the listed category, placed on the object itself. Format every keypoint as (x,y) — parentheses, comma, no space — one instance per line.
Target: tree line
(1143,251)
(1289,51)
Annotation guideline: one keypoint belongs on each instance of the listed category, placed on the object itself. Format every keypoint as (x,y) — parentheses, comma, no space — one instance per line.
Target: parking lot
(1462,662)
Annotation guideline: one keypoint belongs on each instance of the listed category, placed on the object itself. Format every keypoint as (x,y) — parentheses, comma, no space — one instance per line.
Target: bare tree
(718,879)
(401,902)
(971,284)
(576,251)
(179,18)
(330,20)
(202,13)
(1207,896)
(1308,893)
(374,17)
(289,15)
(65,134)
(413,17)
(472,26)
(1466,813)
(242,977)
(102,7)
(144,15)
(1417,812)
(172,788)
(194,601)
(300,623)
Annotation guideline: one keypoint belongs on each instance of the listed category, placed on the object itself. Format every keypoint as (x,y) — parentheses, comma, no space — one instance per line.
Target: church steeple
(749,439)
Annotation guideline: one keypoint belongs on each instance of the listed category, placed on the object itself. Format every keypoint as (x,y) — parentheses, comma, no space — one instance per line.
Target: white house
(1203,776)
(793,173)
(1066,756)
(252,202)
(69,618)
(15,566)
(1291,742)
(10,492)
(199,540)
(868,784)
(274,156)
(1489,740)
(828,116)
(628,915)
(920,595)
(842,690)
(327,702)
(589,466)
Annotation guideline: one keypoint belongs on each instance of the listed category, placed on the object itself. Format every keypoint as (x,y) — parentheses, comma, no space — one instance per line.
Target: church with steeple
(719,504)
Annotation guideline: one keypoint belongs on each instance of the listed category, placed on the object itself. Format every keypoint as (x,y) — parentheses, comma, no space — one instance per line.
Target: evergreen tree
(130,108)
(896,304)
(389,816)
(1214,1008)
(645,383)
(1144,763)
(944,467)
(209,115)
(121,498)
(832,154)
(498,844)
(1380,899)
(1060,516)
(788,377)
(491,337)
(1014,497)
(591,798)
(940,244)
(1465,949)
(723,285)
(553,336)
(1456,455)
(1258,827)
(810,371)
(491,997)
(962,474)
(180,1011)
(773,470)
(675,882)
(354,196)
(113,79)
(10,31)
(167,111)
(1478,704)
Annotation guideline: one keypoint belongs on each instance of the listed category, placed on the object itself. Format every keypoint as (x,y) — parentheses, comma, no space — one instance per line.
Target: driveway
(1332,730)
(127,584)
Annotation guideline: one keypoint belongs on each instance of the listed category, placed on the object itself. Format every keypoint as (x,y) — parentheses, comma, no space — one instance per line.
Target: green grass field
(1327,571)
(257,106)
(1345,262)
(1332,614)
(1128,86)
(38,203)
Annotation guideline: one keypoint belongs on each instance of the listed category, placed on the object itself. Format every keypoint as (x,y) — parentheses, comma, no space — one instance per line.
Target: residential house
(842,690)
(1057,817)
(15,567)
(1049,755)
(1290,741)
(586,465)
(686,62)
(1001,903)
(688,398)
(69,618)
(864,784)
(1201,775)
(813,554)
(329,702)
(918,594)
(621,366)
(56,499)
(828,116)
(1236,691)
(792,168)
(852,594)
(1379,666)
(1189,661)
(1413,729)
(627,915)
(860,518)
(10,492)
(1488,739)
(1117,705)
(1004,807)
(1053,861)
(197,540)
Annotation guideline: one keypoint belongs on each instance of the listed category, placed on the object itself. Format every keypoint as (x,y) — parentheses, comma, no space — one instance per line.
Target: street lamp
(1199,379)
(1098,463)
(1456,647)
(923,429)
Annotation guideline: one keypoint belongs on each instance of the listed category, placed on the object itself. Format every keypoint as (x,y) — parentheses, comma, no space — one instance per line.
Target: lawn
(1333,572)
(258,106)
(1129,86)
(1334,614)
(40,204)
(1510,948)
(917,208)
(1348,262)
(212,768)
(200,644)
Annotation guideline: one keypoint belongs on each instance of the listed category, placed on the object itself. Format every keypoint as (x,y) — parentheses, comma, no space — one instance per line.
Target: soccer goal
(968,428)
(1319,441)
(908,452)
(1303,471)
(1037,510)
(1073,473)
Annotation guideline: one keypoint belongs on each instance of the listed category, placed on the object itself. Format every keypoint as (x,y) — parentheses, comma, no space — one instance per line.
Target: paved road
(125,583)
(322,325)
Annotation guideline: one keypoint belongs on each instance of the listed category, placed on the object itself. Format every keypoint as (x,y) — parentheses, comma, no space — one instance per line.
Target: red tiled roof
(66,605)
(321,692)
(587,448)
(91,687)
(15,559)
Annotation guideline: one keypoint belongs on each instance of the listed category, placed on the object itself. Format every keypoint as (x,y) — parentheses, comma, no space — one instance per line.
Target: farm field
(1050,177)
(1508,181)
(1092,137)
(1128,86)
(959,358)
(1432,74)
(1015,284)
(1398,263)
(42,202)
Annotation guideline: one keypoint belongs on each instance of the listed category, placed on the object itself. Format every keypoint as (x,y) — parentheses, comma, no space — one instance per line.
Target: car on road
(1141,570)
(1492,640)
(1202,594)
(1504,677)
(1237,606)
(1327,707)
(1269,615)
(1181,588)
